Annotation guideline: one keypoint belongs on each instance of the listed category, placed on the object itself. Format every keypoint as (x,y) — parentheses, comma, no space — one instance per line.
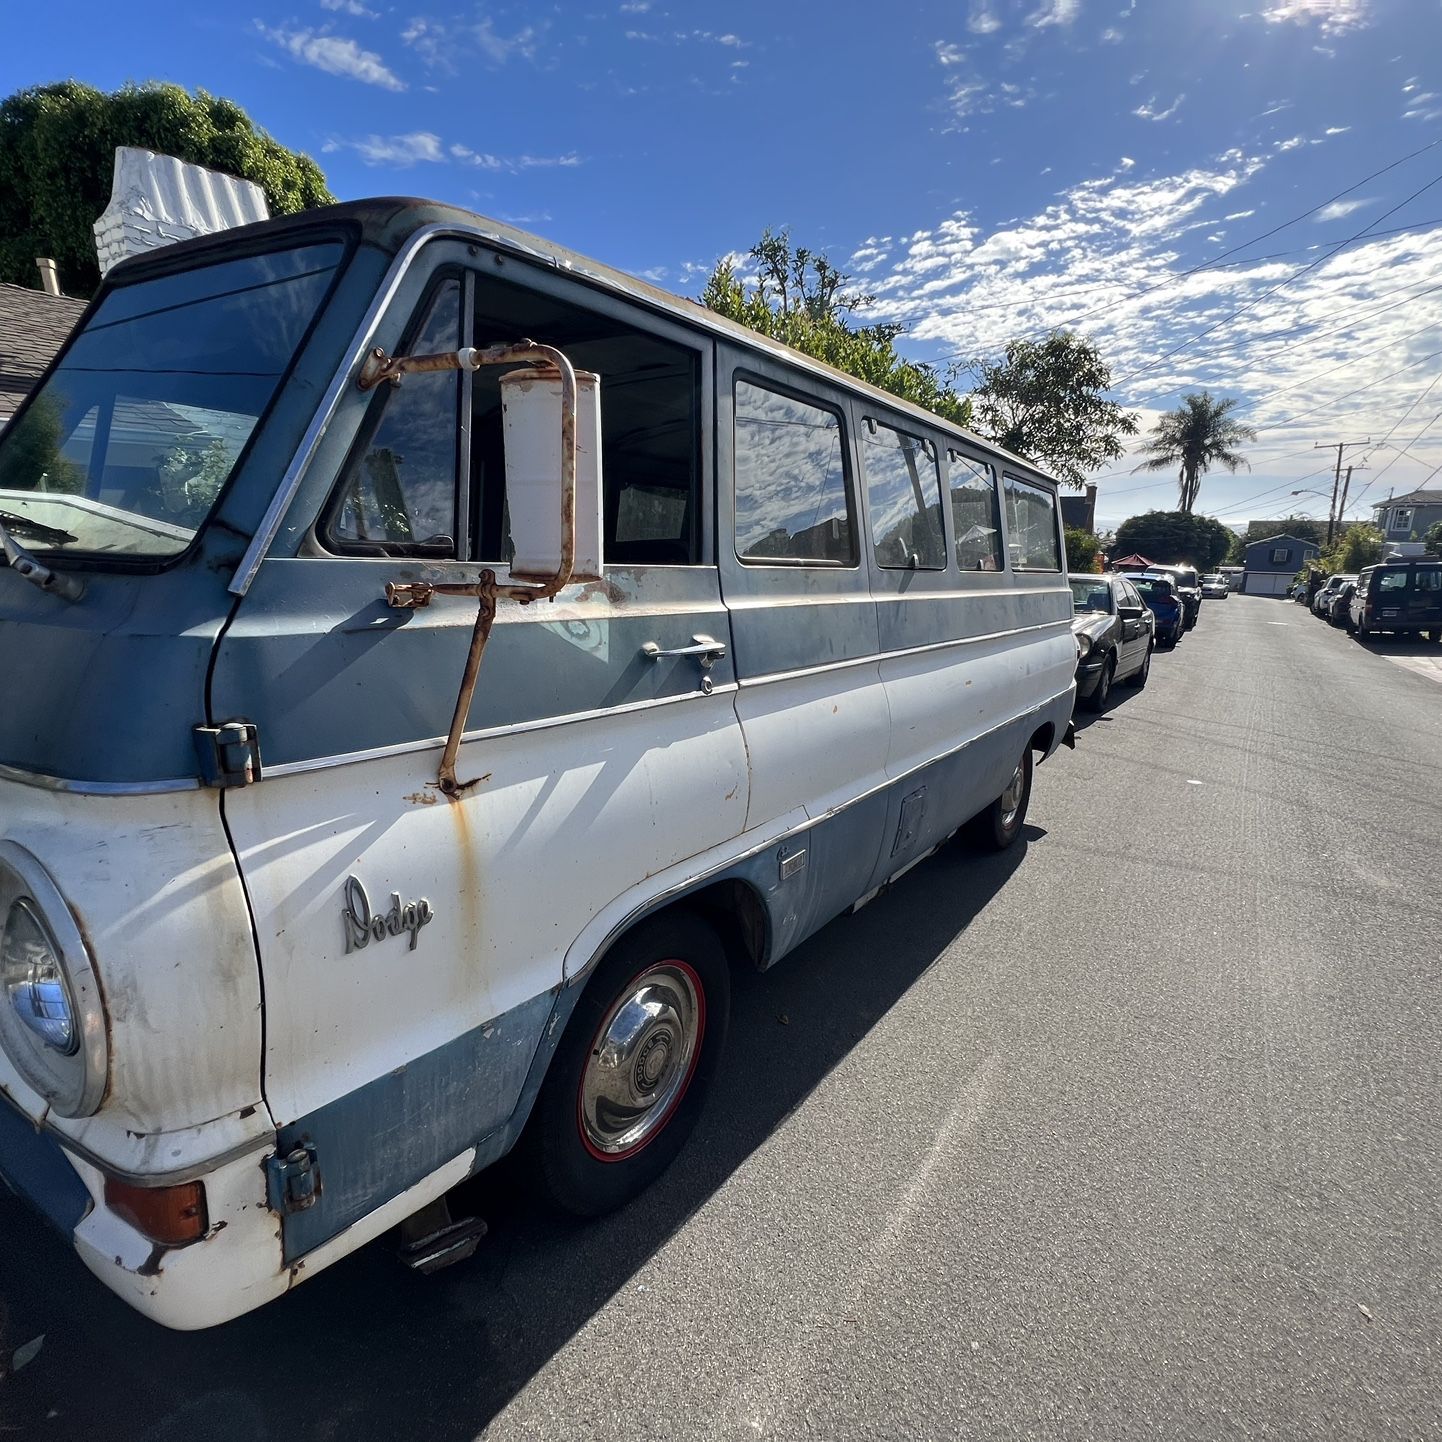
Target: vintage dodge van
(431,661)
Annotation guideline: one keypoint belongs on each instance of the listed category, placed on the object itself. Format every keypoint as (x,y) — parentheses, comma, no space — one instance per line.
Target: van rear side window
(1031,527)
(792,500)
(903,486)
(975,515)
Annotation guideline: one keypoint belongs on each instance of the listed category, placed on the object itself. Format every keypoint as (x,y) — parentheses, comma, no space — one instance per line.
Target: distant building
(1273,561)
(33,326)
(1401,518)
(1079,513)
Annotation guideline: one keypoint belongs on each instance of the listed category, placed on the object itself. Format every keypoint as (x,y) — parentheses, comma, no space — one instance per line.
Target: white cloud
(485,161)
(350,7)
(334,54)
(949,54)
(1148,109)
(1294,142)
(1127,162)
(635,7)
(1334,17)
(398,151)
(1054,12)
(1111,256)
(443,44)
(1111,36)
(983,19)
(1338,208)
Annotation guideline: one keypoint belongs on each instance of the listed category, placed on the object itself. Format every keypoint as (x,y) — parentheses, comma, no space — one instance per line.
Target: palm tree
(1199,434)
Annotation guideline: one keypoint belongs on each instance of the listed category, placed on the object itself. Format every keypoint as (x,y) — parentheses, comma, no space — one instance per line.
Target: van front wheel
(631,1075)
(999,826)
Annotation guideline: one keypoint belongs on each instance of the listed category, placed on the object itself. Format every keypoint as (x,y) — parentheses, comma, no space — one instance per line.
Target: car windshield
(1091,596)
(128,442)
(1151,587)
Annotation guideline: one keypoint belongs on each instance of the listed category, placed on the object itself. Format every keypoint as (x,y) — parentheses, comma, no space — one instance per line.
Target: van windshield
(128,442)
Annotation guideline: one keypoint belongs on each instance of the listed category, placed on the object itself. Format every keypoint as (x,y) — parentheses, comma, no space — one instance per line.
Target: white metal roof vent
(156,200)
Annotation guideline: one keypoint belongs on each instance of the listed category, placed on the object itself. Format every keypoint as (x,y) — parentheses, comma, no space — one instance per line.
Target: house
(1407,518)
(1079,513)
(1273,561)
(33,326)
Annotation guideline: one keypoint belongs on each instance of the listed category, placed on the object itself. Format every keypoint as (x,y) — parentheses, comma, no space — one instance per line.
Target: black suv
(1404,597)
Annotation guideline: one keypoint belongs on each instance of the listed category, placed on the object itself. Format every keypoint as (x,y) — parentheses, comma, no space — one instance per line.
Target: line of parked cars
(1120,618)
(1402,596)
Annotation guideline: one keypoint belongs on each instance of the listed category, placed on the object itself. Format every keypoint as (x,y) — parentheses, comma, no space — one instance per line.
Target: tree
(797,297)
(1357,546)
(1044,400)
(1433,539)
(57,161)
(1176,537)
(1083,550)
(1199,434)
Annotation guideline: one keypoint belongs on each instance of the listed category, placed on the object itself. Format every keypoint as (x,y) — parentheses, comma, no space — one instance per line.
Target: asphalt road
(1134,1132)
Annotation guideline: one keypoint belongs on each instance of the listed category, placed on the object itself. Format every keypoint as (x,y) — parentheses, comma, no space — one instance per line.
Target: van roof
(388,222)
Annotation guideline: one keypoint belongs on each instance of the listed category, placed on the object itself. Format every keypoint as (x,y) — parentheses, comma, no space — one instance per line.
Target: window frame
(372,420)
(871,424)
(993,470)
(849,478)
(1055,501)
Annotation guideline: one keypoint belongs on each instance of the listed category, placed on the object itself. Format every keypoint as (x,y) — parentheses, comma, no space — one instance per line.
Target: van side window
(1427,578)
(903,487)
(650,426)
(1031,527)
(399,494)
(1393,581)
(792,501)
(975,515)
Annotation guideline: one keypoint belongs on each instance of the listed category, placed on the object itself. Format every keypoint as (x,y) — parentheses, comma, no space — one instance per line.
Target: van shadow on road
(366,1349)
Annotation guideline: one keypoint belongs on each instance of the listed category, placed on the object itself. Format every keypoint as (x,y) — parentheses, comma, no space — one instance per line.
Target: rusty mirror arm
(380,369)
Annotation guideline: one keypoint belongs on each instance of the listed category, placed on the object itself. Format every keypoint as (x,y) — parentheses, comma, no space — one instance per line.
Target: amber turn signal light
(173,1215)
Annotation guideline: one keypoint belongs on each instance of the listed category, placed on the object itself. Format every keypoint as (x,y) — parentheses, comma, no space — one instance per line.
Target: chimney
(49,277)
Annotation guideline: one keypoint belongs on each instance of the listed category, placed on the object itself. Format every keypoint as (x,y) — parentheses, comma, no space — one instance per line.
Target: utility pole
(1336,479)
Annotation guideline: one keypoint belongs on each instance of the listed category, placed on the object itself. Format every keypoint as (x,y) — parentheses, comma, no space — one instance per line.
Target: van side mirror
(534,426)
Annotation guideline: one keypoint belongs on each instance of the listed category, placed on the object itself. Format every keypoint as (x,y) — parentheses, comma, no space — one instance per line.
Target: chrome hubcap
(1011,797)
(641,1059)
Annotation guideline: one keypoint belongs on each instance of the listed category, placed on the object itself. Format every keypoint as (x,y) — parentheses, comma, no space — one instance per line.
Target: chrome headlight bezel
(1083,645)
(73,1083)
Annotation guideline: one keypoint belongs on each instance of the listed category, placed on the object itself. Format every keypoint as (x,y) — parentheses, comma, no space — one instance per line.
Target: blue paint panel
(35,1167)
(375,1142)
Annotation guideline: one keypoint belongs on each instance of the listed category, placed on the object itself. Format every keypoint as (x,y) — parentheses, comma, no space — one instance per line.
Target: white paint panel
(941,699)
(815,741)
(563,821)
(152,883)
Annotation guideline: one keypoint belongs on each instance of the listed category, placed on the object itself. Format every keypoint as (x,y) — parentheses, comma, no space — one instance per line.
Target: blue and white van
(432,660)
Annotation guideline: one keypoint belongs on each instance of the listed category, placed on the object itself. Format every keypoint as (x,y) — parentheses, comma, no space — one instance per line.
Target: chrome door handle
(706,650)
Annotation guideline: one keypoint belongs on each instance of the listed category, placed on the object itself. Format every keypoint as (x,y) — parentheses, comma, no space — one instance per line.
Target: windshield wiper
(35,530)
(58,583)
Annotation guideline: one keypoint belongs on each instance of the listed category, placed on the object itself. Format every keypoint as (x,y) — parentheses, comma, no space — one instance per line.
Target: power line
(1281,285)
(1347,395)
(1320,335)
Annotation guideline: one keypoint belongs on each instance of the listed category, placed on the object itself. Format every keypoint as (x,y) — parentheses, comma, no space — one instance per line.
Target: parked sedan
(1327,593)
(1339,607)
(1161,599)
(1215,588)
(1114,633)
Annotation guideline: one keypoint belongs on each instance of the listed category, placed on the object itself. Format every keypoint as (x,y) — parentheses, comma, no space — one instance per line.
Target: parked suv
(1161,599)
(1188,587)
(1404,597)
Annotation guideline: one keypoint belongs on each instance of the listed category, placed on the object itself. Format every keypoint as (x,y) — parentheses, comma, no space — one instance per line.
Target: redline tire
(622,1093)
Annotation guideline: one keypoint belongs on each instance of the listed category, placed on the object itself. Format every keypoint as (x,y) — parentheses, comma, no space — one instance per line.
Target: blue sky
(987,168)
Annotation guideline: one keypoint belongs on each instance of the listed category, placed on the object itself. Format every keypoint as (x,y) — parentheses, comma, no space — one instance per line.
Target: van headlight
(52,1018)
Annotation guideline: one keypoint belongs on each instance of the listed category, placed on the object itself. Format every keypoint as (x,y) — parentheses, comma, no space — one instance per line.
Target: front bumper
(1088,677)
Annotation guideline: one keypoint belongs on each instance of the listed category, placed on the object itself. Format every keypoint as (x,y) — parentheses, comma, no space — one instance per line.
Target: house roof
(1270,540)
(33,326)
(1413,498)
